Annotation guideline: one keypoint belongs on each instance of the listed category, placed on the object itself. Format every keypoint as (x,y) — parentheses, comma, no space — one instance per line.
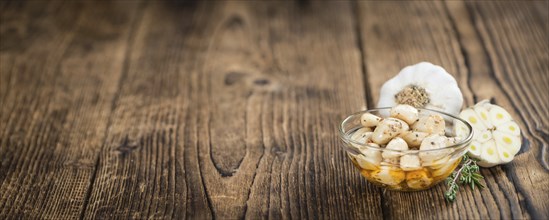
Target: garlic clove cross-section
(496,138)
(423,85)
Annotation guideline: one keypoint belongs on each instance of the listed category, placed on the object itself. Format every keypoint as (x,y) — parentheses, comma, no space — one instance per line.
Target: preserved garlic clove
(438,162)
(452,141)
(407,113)
(413,138)
(362,136)
(388,129)
(418,179)
(444,166)
(370,158)
(395,144)
(433,124)
(388,175)
(410,162)
(367,163)
(496,138)
(433,142)
(365,173)
(423,85)
(369,120)
(394,162)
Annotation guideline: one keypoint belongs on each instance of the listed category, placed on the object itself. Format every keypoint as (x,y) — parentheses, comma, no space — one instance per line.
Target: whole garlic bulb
(496,138)
(423,85)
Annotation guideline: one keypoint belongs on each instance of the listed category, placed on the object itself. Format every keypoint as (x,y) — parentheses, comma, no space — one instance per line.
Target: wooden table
(157,109)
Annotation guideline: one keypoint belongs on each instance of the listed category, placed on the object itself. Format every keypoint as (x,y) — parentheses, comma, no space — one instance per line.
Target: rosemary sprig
(468,174)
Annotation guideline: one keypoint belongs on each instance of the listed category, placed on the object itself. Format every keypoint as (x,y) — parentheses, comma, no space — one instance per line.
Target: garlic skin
(423,85)
(496,138)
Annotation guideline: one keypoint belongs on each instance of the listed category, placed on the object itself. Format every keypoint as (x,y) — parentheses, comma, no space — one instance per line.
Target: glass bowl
(389,174)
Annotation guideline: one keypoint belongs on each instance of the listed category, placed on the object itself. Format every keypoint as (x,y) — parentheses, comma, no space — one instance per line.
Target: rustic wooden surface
(181,109)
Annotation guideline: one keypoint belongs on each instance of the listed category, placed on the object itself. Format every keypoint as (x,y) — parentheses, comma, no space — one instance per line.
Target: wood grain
(229,109)
(59,66)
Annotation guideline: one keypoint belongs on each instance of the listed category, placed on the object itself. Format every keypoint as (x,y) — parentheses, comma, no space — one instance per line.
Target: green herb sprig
(468,174)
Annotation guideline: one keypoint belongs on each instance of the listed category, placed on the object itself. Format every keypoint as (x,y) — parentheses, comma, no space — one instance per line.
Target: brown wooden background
(174,109)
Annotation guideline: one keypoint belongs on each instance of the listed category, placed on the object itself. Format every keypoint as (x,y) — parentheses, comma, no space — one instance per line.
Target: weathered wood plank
(60,62)
(511,51)
(230,110)
(141,171)
(420,31)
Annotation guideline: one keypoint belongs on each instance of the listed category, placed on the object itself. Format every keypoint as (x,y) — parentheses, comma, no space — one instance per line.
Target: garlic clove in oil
(433,124)
(370,158)
(388,175)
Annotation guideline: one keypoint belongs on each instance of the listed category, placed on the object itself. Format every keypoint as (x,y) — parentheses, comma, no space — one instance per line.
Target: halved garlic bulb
(413,138)
(423,85)
(496,138)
